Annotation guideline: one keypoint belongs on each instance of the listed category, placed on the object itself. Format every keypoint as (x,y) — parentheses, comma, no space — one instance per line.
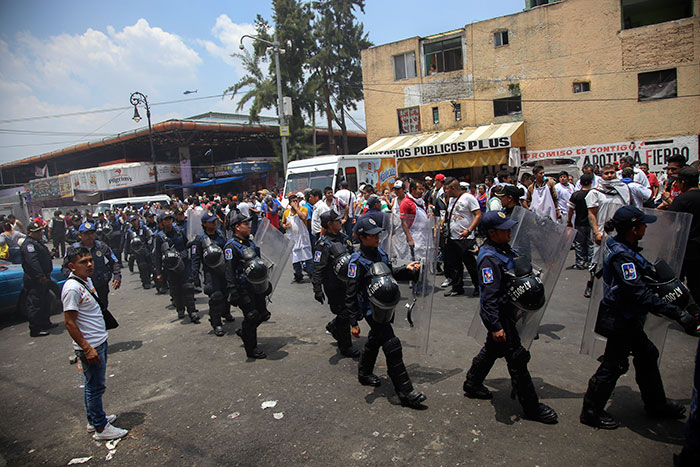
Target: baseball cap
(398,184)
(86,226)
(208,217)
(34,227)
(440,177)
(373,200)
(497,220)
(133,218)
(292,195)
(632,215)
(428,178)
(328,217)
(238,218)
(165,214)
(464,185)
(368,226)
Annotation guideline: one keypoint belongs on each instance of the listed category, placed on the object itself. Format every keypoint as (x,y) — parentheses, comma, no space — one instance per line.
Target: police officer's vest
(201,241)
(330,279)
(487,250)
(58,228)
(358,261)
(176,240)
(72,234)
(234,252)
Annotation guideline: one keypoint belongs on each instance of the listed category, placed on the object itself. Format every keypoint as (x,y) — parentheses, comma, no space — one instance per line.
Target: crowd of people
(336,238)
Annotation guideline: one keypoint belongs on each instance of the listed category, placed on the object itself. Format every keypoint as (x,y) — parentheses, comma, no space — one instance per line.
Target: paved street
(190,398)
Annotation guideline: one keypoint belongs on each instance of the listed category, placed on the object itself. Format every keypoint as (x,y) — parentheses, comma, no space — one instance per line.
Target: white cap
(464,185)
(398,184)
(300,195)
(428,178)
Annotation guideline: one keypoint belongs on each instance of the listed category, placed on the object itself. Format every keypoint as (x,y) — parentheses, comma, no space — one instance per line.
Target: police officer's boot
(365,370)
(216,306)
(525,391)
(144,274)
(399,376)
(474,384)
(593,413)
(342,335)
(226,313)
(178,302)
(131,263)
(188,297)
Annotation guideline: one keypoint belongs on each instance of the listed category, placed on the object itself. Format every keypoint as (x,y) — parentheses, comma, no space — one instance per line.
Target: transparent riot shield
(413,313)
(664,239)
(547,244)
(275,249)
(194,222)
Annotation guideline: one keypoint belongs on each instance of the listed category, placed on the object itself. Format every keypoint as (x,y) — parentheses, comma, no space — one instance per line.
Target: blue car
(12,295)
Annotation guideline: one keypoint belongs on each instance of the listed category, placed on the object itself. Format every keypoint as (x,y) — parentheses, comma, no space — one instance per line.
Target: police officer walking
(136,248)
(36,262)
(72,232)
(621,316)
(170,250)
(498,314)
(106,266)
(116,237)
(247,281)
(208,250)
(373,293)
(331,259)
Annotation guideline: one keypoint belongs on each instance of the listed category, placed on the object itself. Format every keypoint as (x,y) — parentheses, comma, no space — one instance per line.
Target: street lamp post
(280,110)
(137,99)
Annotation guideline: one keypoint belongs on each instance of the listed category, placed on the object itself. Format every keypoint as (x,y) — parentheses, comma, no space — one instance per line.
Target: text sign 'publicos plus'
(455,147)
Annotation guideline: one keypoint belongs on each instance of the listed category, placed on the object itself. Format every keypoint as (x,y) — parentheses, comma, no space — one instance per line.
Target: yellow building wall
(549,48)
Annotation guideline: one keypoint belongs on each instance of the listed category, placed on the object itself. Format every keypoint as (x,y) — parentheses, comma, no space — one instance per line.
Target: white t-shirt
(639,177)
(345,197)
(607,204)
(564,193)
(75,297)
(462,216)
(244,208)
(319,208)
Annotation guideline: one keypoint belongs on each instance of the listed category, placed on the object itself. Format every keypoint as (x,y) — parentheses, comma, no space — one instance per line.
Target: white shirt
(594,184)
(638,194)
(607,204)
(76,297)
(639,177)
(319,208)
(345,198)
(244,208)
(524,188)
(462,216)
(564,193)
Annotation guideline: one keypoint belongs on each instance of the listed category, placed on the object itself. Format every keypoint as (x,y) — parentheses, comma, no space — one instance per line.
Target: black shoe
(369,380)
(255,353)
(180,314)
(454,293)
(229,318)
(194,317)
(587,292)
(475,293)
(446,283)
(598,419)
(331,329)
(298,279)
(52,326)
(267,316)
(670,409)
(543,414)
(350,352)
(412,399)
(219,331)
(38,333)
(146,286)
(476,392)
(239,332)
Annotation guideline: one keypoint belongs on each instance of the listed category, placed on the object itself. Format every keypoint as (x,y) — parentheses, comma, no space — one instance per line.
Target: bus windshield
(302,181)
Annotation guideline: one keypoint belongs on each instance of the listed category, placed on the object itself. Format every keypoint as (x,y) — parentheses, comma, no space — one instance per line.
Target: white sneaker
(110,419)
(110,432)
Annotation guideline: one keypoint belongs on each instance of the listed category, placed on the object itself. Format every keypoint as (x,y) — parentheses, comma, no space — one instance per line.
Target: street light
(137,99)
(280,110)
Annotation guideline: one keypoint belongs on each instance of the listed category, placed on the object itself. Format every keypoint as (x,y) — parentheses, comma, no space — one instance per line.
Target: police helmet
(173,261)
(213,256)
(523,285)
(255,271)
(136,244)
(667,286)
(106,228)
(341,260)
(383,292)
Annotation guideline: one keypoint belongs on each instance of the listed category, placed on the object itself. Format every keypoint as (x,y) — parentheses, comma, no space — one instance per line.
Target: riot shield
(194,222)
(664,239)
(547,244)
(413,313)
(275,249)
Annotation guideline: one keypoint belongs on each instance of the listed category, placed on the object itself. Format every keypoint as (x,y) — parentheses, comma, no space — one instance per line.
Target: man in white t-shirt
(639,176)
(244,207)
(346,200)
(321,206)
(463,215)
(564,191)
(86,325)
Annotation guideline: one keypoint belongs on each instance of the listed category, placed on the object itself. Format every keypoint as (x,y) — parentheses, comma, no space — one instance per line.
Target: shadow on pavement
(427,375)
(129,420)
(550,329)
(124,346)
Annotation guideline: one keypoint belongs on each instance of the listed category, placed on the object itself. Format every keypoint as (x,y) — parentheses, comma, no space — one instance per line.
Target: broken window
(636,13)
(657,85)
(436,116)
(507,106)
(405,66)
(582,86)
(442,56)
(500,38)
(409,120)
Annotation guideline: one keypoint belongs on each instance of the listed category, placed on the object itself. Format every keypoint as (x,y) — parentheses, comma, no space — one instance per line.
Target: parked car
(13,298)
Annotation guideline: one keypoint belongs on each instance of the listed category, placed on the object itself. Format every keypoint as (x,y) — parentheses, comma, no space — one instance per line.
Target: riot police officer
(331,259)
(373,293)
(137,243)
(208,250)
(116,237)
(499,313)
(72,232)
(106,265)
(151,221)
(36,262)
(180,219)
(159,279)
(627,300)
(247,281)
(170,248)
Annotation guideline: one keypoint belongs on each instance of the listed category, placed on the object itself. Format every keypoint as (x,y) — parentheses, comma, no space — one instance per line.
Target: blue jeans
(95,386)
(307,266)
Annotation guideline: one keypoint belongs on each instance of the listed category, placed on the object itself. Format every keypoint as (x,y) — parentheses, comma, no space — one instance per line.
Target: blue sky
(65,56)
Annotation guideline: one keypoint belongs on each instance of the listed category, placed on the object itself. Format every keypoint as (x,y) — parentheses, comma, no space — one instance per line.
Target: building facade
(589,79)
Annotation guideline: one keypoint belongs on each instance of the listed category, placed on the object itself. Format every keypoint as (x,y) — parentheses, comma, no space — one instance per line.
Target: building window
(582,86)
(507,106)
(405,66)
(436,116)
(442,56)
(409,120)
(500,38)
(637,13)
(657,85)
(457,108)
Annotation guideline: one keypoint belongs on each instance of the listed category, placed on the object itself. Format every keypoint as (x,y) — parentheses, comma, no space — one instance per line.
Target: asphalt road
(191,398)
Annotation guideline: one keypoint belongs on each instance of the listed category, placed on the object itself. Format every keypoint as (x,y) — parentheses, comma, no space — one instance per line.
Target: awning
(453,149)
(216,181)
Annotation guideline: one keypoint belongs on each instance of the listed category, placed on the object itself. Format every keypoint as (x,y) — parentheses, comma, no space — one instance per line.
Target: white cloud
(229,36)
